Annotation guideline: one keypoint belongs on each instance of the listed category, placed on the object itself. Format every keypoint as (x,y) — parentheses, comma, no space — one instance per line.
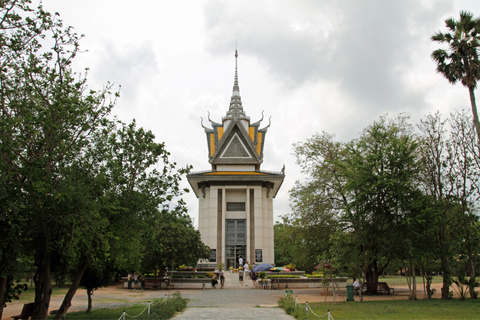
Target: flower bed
(279,276)
(205,269)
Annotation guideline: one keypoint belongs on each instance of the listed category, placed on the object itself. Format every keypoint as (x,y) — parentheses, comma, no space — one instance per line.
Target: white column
(270,244)
(224,212)
(247,231)
(203,214)
(212,218)
(258,213)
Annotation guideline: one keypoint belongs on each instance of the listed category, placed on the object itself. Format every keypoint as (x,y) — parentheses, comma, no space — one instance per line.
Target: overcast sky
(311,66)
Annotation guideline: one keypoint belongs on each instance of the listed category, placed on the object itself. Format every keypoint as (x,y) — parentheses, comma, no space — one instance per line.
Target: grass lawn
(402,281)
(398,309)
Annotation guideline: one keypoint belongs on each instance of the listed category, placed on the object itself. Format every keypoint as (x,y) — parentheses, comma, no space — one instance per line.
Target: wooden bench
(153,284)
(26,312)
(383,287)
(375,288)
(191,281)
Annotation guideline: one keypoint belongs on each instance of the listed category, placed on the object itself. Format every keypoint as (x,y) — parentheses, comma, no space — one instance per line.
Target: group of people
(136,279)
(215,280)
(243,273)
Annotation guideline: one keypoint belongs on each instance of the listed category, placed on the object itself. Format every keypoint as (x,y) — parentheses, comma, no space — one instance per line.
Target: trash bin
(350,292)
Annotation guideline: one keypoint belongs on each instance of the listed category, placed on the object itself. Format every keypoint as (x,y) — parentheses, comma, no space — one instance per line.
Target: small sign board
(213,256)
(258,255)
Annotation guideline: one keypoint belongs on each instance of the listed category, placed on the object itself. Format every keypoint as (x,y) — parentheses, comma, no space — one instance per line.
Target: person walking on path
(246,268)
(240,277)
(222,280)
(254,276)
(214,281)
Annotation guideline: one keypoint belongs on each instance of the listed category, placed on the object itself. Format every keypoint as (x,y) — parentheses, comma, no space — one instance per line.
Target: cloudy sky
(312,66)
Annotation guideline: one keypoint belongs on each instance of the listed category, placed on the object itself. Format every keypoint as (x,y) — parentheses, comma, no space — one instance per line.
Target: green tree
(318,203)
(16,32)
(283,242)
(48,113)
(380,175)
(94,279)
(460,61)
(78,187)
(125,193)
(450,178)
(465,161)
(172,241)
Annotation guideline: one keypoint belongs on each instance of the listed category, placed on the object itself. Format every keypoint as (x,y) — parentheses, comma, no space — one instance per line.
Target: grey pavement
(233,302)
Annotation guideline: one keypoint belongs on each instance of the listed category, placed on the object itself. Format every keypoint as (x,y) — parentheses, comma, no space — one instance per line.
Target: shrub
(166,309)
(290,266)
(205,269)
(287,303)
(185,268)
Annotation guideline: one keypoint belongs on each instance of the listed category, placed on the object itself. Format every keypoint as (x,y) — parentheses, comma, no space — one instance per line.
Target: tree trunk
(476,121)
(3,289)
(413,288)
(43,288)
(371,276)
(473,295)
(446,278)
(67,301)
(428,287)
(89,294)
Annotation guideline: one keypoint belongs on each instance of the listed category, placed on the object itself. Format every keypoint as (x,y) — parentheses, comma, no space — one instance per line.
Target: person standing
(240,277)
(240,262)
(135,281)
(246,268)
(254,276)
(222,280)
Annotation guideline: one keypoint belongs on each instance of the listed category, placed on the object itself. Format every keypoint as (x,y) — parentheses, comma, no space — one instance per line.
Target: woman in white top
(247,269)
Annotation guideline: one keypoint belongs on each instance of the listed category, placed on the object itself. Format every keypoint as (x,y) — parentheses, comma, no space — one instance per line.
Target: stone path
(234,302)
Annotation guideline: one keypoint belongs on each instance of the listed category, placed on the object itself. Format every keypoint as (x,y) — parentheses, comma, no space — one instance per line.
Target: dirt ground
(115,296)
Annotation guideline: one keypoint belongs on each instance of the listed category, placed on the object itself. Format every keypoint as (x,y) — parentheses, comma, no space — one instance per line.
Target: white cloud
(312,66)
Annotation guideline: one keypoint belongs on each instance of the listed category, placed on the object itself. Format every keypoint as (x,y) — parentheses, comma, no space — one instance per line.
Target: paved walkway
(234,302)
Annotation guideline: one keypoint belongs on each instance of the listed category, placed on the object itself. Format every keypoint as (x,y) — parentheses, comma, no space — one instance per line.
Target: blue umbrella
(262,267)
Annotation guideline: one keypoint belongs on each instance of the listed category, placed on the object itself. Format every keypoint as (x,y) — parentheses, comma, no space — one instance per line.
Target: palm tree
(460,62)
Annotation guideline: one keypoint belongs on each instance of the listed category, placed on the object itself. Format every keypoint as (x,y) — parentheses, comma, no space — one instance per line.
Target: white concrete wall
(263,215)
